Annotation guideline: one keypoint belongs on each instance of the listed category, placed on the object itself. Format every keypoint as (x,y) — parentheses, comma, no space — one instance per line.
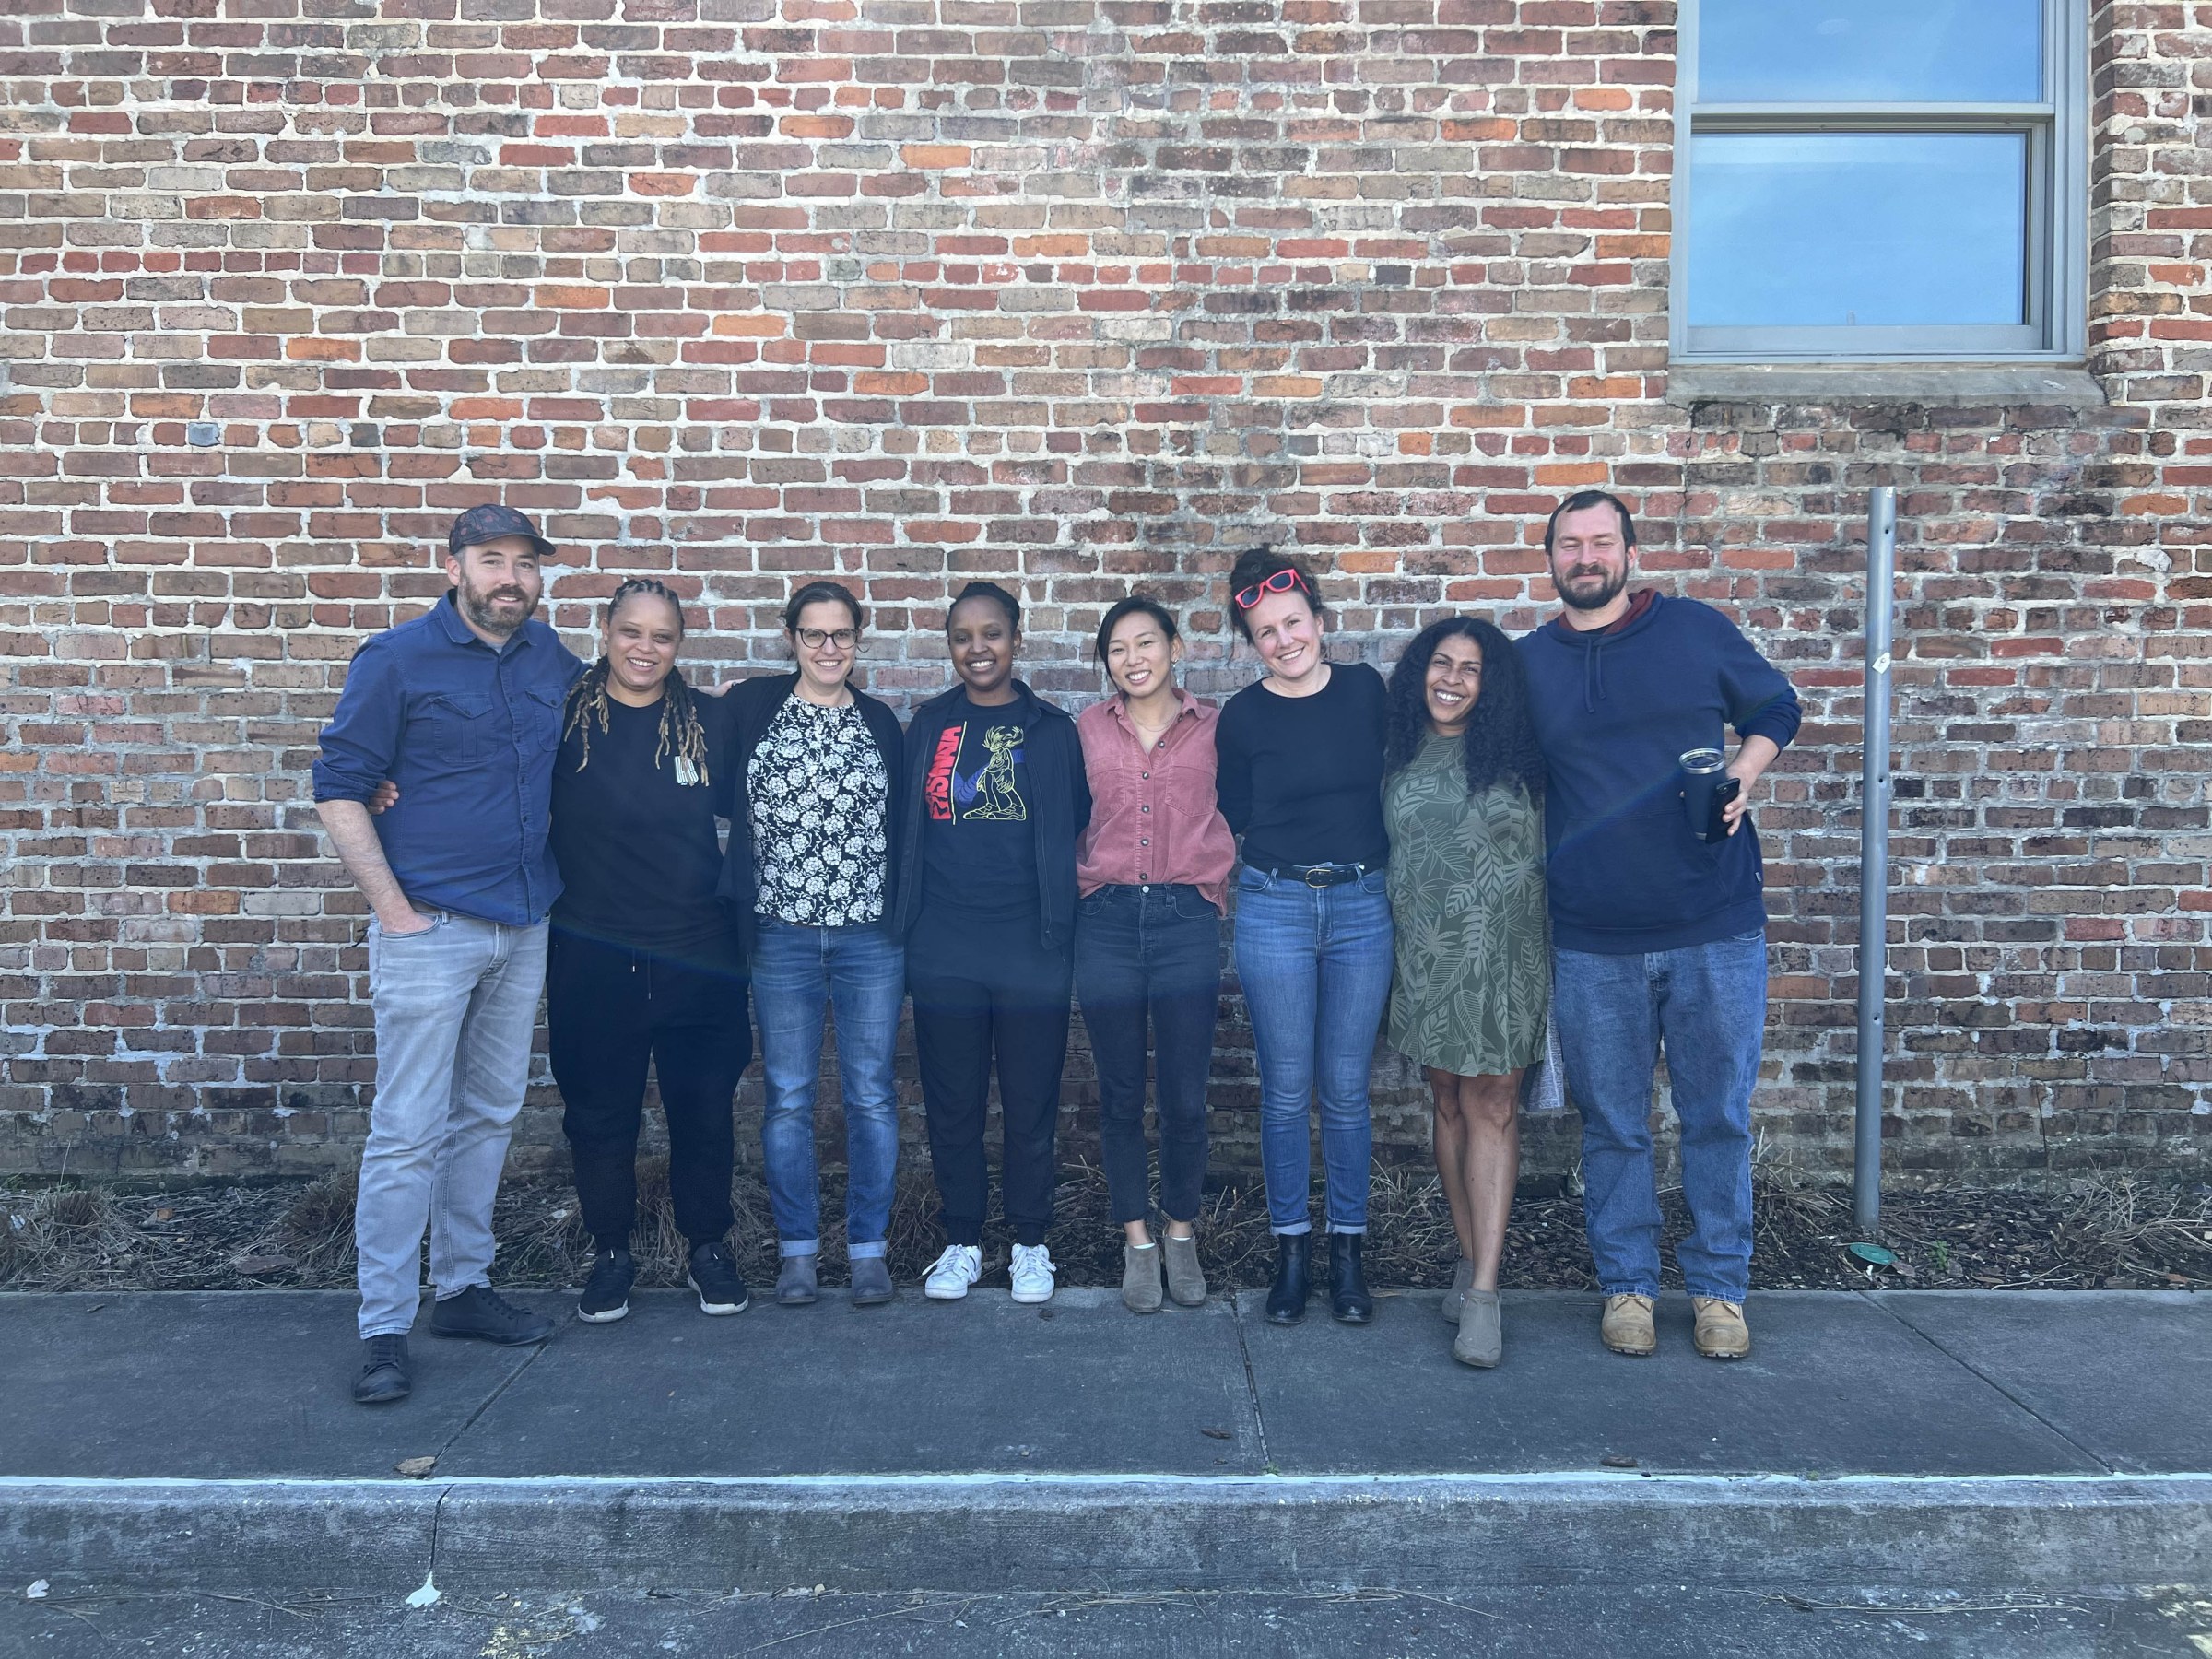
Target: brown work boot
(1720,1333)
(1626,1326)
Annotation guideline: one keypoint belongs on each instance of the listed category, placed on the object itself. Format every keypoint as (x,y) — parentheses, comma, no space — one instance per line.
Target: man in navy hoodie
(1660,937)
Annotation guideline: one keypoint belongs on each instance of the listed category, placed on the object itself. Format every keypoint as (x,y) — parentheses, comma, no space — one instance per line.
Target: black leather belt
(1322,876)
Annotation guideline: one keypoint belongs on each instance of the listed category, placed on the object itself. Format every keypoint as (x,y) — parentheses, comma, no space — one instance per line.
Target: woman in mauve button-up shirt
(1153,872)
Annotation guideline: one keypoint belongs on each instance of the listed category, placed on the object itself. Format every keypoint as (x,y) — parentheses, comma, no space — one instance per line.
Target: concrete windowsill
(1883,382)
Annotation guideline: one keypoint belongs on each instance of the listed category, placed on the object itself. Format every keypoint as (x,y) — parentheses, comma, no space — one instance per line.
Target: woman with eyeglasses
(1153,868)
(812,873)
(1301,783)
(995,798)
(1464,801)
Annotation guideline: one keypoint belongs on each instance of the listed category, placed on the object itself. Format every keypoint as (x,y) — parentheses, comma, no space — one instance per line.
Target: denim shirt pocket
(538,718)
(456,725)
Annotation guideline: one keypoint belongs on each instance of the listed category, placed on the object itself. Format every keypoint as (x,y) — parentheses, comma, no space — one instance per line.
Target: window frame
(2056,219)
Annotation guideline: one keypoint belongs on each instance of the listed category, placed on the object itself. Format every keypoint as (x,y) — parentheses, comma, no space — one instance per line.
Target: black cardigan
(1061,805)
(751,707)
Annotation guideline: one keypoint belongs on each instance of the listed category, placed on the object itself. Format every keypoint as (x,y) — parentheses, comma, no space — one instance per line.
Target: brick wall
(1075,293)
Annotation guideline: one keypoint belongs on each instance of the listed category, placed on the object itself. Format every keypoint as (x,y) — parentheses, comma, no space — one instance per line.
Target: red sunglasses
(1282,581)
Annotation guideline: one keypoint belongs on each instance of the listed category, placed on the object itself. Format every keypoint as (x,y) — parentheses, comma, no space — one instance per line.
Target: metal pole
(1873,860)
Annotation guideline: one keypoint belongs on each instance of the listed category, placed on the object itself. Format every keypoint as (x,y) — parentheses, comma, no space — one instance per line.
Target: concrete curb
(1048,1533)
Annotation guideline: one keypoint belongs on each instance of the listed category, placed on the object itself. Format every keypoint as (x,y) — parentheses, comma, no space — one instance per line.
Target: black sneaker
(715,1277)
(383,1371)
(607,1294)
(479,1312)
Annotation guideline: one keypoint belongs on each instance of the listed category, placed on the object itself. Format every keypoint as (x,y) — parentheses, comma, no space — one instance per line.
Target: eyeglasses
(814,639)
(1282,581)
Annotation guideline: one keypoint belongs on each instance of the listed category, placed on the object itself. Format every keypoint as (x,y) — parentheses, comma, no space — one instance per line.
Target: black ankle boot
(1348,1298)
(1293,1279)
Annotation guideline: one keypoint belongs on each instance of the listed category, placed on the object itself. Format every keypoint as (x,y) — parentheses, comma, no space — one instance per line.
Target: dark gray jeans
(1150,955)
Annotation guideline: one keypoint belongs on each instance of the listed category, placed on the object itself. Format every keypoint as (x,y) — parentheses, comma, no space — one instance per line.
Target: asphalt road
(1813,1623)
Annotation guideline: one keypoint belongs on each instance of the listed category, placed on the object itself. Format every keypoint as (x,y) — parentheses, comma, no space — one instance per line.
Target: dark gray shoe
(481,1313)
(383,1371)
(607,1293)
(714,1277)
(871,1281)
(1186,1282)
(795,1281)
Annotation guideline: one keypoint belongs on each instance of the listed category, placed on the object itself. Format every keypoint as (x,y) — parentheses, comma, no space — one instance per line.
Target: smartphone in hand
(1725,791)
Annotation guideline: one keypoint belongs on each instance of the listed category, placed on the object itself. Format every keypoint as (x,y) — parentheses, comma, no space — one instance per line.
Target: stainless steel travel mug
(1702,775)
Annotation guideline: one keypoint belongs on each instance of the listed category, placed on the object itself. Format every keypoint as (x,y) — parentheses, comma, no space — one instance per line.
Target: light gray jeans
(454,1011)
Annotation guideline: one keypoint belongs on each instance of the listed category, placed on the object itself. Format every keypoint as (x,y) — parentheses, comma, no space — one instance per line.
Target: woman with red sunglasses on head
(1301,783)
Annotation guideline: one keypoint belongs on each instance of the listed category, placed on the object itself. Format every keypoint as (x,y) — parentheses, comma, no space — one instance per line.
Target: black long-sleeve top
(1300,778)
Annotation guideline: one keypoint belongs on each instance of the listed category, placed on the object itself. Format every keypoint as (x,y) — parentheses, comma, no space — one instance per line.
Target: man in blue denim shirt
(1659,933)
(461,709)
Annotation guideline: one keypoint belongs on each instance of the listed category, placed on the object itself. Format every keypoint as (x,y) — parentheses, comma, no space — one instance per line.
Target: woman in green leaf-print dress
(1462,786)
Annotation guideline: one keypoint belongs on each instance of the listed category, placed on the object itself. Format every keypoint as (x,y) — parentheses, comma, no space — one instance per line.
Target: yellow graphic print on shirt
(992,793)
(995,791)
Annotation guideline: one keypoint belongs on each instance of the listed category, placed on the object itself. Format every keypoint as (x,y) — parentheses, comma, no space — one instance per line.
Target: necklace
(1149,736)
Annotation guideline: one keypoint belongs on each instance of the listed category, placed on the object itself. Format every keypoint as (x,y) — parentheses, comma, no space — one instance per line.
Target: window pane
(1857,228)
(1869,50)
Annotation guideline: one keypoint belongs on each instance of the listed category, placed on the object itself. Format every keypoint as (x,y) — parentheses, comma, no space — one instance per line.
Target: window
(1880,179)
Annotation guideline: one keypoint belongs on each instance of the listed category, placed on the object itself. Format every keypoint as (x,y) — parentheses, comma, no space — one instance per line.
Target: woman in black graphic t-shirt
(995,798)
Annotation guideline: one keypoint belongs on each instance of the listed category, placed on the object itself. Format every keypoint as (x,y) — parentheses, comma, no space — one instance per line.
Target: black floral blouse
(820,809)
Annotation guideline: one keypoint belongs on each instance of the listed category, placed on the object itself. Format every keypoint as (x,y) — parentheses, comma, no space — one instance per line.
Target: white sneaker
(1032,1273)
(952,1272)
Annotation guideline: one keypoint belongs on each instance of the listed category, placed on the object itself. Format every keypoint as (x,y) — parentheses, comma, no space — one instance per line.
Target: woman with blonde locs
(645,966)
(811,874)
(1153,870)
(1463,796)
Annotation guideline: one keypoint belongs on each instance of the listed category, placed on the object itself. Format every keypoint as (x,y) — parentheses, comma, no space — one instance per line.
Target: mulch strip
(2106,1232)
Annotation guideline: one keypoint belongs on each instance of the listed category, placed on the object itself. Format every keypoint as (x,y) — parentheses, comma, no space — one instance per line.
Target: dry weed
(2116,1229)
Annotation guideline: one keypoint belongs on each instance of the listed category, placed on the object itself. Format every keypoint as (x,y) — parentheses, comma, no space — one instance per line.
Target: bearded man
(1658,920)
(461,709)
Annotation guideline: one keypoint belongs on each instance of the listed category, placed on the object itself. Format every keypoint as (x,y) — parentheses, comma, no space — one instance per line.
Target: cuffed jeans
(799,974)
(1707,1004)
(1315,964)
(609,1009)
(1151,951)
(989,991)
(454,1008)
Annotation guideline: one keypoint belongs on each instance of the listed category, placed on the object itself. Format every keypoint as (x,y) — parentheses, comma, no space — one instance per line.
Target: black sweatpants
(986,992)
(610,1009)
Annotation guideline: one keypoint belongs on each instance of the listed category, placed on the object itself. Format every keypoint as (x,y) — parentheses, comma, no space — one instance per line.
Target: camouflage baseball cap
(489,522)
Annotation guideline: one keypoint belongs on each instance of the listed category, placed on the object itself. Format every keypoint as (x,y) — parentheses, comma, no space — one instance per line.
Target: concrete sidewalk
(1895,1438)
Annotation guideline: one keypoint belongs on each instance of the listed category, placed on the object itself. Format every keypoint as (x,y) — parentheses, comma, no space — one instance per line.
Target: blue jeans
(1315,964)
(1707,1004)
(455,1006)
(798,973)
(1150,955)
